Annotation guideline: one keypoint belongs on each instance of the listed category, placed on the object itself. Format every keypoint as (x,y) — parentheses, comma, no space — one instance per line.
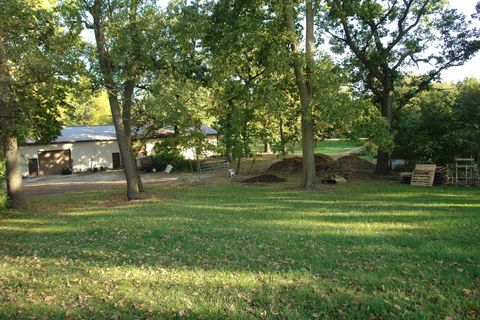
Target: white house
(82,148)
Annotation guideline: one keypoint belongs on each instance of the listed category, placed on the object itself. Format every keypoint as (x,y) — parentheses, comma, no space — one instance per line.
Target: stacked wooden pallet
(423,175)
(441,176)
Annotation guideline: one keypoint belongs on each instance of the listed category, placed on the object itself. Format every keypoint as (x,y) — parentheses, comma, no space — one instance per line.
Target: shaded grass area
(360,250)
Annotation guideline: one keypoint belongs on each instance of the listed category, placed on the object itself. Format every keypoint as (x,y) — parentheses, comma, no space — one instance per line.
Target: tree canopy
(386,38)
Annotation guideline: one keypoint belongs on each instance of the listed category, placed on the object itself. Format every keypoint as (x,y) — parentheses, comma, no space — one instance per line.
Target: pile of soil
(353,166)
(323,162)
(264,178)
(287,166)
(294,165)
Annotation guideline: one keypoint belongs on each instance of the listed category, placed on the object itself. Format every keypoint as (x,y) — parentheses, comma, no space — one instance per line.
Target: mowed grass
(361,250)
(330,147)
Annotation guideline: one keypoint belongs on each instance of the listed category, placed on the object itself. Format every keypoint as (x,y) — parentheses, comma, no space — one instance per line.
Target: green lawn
(330,147)
(362,250)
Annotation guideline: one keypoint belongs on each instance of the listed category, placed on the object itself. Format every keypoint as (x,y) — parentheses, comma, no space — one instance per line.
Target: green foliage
(87,107)
(178,93)
(39,56)
(339,112)
(251,80)
(387,37)
(167,152)
(356,251)
(441,124)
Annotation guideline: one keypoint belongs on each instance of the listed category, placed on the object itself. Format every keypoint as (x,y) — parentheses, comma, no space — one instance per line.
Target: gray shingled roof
(169,130)
(98,133)
(86,133)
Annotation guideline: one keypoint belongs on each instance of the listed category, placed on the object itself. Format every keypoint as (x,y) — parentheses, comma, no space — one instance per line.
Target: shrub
(166,152)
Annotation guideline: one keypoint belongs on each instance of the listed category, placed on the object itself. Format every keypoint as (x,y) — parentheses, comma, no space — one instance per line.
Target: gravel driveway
(78,182)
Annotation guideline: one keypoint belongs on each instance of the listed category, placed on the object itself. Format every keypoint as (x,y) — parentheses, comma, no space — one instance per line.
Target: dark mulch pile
(287,166)
(353,166)
(294,165)
(323,162)
(348,166)
(264,178)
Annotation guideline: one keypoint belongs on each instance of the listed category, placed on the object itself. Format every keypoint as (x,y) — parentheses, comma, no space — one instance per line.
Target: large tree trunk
(309,173)
(129,165)
(9,144)
(127,115)
(15,195)
(106,67)
(129,86)
(305,90)
(383,157)
(227,137)
(237,169)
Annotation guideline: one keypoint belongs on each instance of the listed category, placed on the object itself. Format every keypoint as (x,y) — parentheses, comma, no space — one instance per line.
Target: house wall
(85,155)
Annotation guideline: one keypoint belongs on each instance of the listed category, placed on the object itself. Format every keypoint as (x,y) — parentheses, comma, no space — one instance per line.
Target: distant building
(83,148)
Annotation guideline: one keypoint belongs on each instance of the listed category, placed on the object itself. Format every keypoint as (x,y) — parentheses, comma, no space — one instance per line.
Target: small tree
(123,43)
(303,70)
(39,50)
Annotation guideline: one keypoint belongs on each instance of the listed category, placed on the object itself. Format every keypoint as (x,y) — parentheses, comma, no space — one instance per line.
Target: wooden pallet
(423,175)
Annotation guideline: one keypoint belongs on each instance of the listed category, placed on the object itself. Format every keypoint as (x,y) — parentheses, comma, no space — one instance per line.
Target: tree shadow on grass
(338,251)
(191,228)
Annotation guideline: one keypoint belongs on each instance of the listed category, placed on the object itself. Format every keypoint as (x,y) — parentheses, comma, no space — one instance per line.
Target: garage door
(53,161)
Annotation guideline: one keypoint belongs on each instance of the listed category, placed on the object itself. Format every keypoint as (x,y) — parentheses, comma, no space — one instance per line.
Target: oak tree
(386,39)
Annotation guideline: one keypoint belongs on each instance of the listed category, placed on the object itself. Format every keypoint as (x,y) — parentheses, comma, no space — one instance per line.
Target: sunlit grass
(332,147)
(359,250)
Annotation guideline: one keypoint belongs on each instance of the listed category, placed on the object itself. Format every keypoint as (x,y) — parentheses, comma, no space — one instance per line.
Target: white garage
(83,148)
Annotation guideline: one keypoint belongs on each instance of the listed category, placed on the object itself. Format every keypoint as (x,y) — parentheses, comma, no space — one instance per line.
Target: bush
(166,152)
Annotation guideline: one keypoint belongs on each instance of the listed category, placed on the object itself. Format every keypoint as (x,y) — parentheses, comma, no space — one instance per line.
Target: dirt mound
(264,178)
(294,165)
(323,162)
(287,166)
(351,166)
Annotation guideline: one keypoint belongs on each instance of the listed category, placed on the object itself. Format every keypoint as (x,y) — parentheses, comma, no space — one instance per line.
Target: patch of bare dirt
(264,178)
